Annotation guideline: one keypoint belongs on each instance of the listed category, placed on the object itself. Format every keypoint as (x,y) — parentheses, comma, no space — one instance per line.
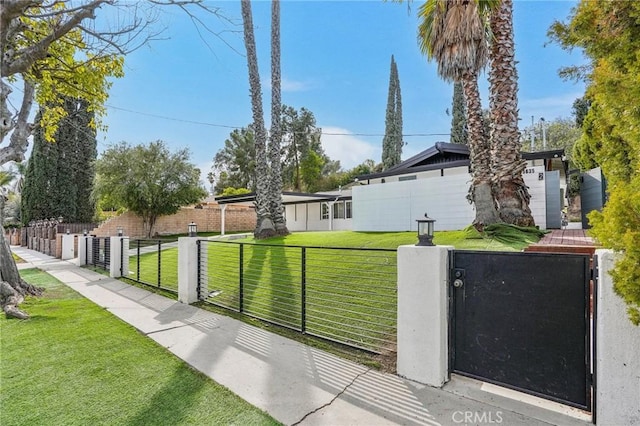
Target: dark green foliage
(60,174)
(392,142)
(148,180)
(458,116)
(580,110)
(609,34)
(304,159)
(235,165)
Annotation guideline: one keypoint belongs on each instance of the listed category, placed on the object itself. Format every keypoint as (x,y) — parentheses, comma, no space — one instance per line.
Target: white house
(435,181)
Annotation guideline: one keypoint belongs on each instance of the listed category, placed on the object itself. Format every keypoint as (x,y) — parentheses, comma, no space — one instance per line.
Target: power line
(227,126)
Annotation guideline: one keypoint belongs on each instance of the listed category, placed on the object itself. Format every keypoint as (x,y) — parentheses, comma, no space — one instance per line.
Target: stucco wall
(395,206)
(617,349)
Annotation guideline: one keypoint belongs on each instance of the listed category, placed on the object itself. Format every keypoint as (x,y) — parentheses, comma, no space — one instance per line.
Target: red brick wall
(237,218)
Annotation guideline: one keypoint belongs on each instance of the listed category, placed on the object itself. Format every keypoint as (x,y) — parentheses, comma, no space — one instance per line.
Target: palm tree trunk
(511,193)
(480,193)
(264,224)
(275,140)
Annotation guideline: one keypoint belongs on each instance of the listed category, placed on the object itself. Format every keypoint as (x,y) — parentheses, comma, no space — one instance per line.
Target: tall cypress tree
(59,177)
(458,116)
(39,180)
(392,142)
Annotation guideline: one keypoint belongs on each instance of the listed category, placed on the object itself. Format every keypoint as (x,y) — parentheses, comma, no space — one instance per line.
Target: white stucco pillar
(617,353)
(423,350)
(68,249)
(118,256)
(187,270)
(223,210)
(84,249)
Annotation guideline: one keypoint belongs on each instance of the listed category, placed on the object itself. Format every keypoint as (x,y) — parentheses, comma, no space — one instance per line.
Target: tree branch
(22,129)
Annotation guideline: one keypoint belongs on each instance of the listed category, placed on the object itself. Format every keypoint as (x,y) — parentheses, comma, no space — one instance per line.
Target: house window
(324,211)
(403,178)
(338,210)
(349,209)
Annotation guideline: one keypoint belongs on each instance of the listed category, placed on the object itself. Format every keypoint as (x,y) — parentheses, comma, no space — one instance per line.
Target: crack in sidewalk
(338,395)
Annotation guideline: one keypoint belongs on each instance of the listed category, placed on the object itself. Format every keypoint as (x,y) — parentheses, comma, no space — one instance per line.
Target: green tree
(609,35)
(59,49)
(392,142)
(454,34)
(458,116)
(235,164)
(148,180)
(60,173)
(507,165)
(301,138)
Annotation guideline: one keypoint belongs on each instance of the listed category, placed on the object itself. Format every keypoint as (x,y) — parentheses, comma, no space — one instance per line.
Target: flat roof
(287,198)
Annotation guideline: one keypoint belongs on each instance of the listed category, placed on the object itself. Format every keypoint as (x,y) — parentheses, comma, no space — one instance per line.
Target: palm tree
(455,34)
(264,224)
(507,165)
(275,138)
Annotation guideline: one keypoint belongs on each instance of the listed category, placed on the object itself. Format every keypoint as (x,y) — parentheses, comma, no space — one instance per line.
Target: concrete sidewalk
(295,383)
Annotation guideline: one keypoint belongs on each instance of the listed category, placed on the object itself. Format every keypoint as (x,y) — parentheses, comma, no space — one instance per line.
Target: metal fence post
(303,290)
(241,275)
(159,261)
(138,260)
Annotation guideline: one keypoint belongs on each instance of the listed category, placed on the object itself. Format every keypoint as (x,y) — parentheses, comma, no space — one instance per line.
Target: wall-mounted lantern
(425,231)
(68,231)
(193,229)
(85,232)
(119,231)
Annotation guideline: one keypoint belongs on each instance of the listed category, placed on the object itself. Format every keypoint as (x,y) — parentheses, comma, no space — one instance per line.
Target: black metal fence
(153,262)
(98,253)
(347,295)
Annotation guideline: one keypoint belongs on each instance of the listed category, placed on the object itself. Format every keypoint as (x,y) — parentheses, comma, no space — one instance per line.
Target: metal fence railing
(347,295)
(153,262)
(99,252)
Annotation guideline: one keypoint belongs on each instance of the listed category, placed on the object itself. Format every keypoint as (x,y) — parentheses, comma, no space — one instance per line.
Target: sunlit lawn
(73,363)
(350,295)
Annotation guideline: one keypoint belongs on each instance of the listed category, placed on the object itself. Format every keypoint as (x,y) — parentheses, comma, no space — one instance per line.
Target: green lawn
(459,239)
(73,363)
(350,295)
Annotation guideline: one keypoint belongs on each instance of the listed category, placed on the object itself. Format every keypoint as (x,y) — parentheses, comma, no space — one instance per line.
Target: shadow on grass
(173,402)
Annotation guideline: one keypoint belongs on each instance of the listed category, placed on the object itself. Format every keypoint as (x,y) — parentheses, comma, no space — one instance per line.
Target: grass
(462,240)
(350,295)
(73,363)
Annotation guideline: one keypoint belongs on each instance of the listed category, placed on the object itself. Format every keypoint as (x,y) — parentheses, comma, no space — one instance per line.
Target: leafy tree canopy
(148,179)
(609,35)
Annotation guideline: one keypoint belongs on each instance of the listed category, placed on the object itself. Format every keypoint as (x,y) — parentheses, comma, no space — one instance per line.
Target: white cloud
(288,85)
(341,144)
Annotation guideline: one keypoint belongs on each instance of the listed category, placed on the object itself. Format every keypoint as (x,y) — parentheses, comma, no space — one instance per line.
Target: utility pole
(544,133)
(532,134)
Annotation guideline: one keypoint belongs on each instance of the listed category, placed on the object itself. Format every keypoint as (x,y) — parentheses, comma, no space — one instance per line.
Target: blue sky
(335,62)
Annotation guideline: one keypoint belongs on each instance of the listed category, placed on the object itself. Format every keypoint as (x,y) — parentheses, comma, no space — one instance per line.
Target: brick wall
(237,218)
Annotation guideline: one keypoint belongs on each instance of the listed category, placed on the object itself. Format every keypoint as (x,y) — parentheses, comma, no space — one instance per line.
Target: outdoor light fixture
(425,231)
(193,229)
(68,231)
(120,231)
(85,232)
(60,218)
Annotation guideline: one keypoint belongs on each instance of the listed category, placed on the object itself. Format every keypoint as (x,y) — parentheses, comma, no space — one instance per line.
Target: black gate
(522,320)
